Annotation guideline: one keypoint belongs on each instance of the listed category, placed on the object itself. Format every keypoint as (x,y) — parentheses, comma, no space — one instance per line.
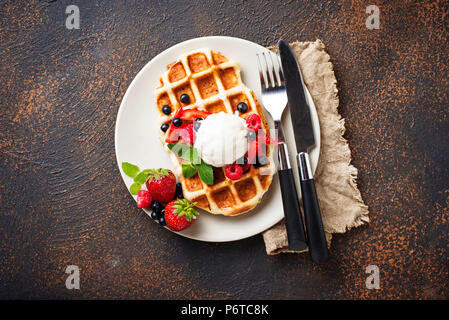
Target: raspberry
(253,122)
(233,171)
(144,199)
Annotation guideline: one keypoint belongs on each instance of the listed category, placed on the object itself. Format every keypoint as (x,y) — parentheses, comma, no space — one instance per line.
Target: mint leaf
(135,187)
(205,172)
(185,152)
(130,169)
(188,170)
(141,177)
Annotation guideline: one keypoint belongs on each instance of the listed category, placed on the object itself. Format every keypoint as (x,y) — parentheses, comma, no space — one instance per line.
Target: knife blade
(304,139)
(299,108)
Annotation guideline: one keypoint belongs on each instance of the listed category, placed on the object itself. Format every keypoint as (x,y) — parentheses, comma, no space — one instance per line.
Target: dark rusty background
(63,201)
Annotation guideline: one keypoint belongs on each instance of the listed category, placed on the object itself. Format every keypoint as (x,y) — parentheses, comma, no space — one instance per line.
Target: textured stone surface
(62,200)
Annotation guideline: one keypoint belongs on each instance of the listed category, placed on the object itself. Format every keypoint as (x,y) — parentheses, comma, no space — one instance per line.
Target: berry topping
(156,206)
(161,221)
(177,122)
(184,98)
(242,161)
(164,127)
(233,171)
(262,137)
(252,151)
(144,199)
(252,135)
(261,161)
(179,193)
(184,133)
(197,123)
(253,122)
(155,215)
(246,167)
(166,109)
(192,114)
(180,214)
(161,184)
(242,107)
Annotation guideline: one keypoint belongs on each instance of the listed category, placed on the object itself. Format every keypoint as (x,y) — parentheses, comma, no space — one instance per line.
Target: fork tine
(263,83)
(277,80)
(269,72)
(281,71)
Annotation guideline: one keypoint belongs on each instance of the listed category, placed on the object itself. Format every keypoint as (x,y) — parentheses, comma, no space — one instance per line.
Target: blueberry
(177,122)
(261,161)
(166,109)
(156,206)
(252,135)
(179,193)
(162,221)
(197,124)
(154,215)
(242,161)
(242,107)
(164,127)
(184,98)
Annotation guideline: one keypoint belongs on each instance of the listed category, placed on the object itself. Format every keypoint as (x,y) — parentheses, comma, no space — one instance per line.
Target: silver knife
(304,138)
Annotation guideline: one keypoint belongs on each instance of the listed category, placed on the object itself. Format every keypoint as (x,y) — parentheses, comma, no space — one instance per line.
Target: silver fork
(274,99)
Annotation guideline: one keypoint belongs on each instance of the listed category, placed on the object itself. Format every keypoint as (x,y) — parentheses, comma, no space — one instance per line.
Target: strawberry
(184,133)
(253,122)
(192,114)
(263,137)
(180,214)
(161,183)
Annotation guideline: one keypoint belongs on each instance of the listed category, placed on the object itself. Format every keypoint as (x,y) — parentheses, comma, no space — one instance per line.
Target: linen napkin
(341,203)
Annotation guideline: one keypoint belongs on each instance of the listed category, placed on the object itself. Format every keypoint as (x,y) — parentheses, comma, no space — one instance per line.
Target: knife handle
(312,213)
(292,212)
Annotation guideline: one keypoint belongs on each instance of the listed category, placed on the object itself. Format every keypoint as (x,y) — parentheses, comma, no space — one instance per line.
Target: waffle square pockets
(213,84)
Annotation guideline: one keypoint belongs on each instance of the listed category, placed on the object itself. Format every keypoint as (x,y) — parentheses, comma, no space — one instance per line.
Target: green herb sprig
(140,177)
(192,162)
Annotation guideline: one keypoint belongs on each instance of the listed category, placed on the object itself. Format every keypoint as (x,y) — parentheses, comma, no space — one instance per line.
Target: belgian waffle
(213,83)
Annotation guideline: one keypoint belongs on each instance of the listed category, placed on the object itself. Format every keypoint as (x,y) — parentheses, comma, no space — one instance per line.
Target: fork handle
(292,212)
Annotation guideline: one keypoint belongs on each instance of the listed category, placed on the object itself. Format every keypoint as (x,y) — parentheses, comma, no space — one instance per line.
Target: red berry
(263,137)
(252,151)
(144,199)
(179,214)
(186,133)
(192,114)
(253,122)
(233,171)
(161,184)
(182,133)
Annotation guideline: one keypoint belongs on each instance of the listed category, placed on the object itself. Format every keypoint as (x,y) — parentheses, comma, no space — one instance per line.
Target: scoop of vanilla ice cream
(221,139)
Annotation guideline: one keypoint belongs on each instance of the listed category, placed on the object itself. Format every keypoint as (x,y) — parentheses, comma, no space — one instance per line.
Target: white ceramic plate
(137,142)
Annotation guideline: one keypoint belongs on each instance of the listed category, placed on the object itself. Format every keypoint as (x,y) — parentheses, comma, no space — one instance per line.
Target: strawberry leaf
(141,177)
